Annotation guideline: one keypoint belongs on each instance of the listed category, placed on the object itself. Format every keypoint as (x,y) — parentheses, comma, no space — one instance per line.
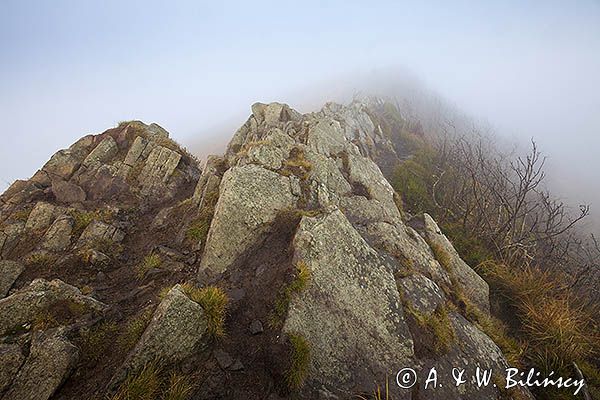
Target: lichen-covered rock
(98,230)
(409,247)
(58,236)
(18,310)
(250,199)
(51,359)
(209,180)
(473,285)
(62,164)
(103,153)
(42,216)
(178,329)
(11,360)
(9,272)
(350,313)
(159,167)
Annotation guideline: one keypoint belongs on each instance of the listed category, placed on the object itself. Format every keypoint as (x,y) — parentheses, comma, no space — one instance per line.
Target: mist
(522,69)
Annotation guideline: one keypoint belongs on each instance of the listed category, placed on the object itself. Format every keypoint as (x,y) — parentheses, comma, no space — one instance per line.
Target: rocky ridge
(296,222)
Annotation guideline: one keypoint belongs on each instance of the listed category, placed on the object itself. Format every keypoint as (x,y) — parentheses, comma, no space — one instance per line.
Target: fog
(526,69)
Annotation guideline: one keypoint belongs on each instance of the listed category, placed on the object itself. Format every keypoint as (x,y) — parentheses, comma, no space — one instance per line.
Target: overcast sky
(68,68)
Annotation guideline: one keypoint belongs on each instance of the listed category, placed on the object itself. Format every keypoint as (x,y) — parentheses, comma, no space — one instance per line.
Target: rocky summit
(285,268)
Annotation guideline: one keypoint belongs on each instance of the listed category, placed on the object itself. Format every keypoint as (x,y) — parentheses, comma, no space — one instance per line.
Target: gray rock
(139,150)
(9,272)
(409,248)
(159,167)
(20,309)
(223,358)
(51,359)
(106,150)
(58,237)
(209,181)
(98,230)
(256,327)
(62,164)
(250,198)
(474,287)
(177,330)
(42,216)
(67,192)
(11,360)
(352,295)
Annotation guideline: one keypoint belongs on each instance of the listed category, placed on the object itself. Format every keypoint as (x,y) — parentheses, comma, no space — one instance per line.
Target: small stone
(237,366)
(223,358)
(256,327)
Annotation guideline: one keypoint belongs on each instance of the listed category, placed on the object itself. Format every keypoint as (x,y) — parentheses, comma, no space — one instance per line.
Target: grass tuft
(142,386)
(442,256)
(214,301)
(151,261)
(297,285)
(299,361)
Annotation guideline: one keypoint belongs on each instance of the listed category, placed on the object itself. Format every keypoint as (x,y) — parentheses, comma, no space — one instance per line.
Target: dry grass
(41,260)
(557,330)
(442,256)
(142,386)
(178,387)
(152,383)
(199,227)
(299,361)
(296,165)
(214,301)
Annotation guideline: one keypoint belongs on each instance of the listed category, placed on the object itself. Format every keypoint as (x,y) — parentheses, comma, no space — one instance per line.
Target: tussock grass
(297,285)
(151,261)
(438,325)
(557,329)
(153,383)
(214,301)
(296,164)
(179,387)
(142,386)
(299,361)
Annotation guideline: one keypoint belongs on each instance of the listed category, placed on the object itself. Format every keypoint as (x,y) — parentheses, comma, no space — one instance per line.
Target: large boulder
(350,313)
(159,166)
(22,308)
(250,199)
(51,359)
(178,329)
(473,286)
(9,272)
(42,216)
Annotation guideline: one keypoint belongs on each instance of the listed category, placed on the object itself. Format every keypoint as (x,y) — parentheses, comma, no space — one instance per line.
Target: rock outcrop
(331,287)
